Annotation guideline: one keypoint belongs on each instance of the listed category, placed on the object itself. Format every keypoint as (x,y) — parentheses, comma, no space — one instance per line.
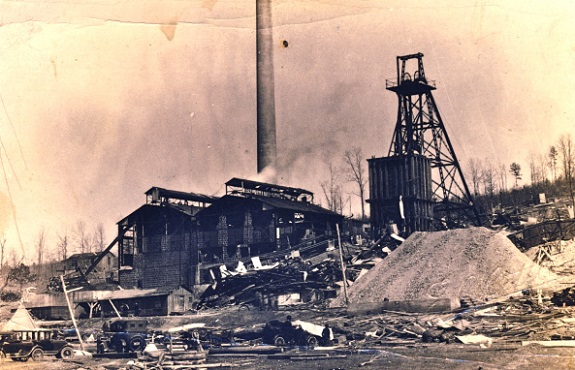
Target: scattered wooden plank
(201,366)
(412,306)
(115,355)
(238,355)
(316,358)
(397,343)
(550,343)
(287,356)
(475,339)
(306,356)
(245,349)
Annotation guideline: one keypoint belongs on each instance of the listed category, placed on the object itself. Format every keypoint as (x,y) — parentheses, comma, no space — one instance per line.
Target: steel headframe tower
(420,130)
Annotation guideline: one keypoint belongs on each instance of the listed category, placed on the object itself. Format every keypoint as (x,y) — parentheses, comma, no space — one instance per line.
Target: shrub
(10,296)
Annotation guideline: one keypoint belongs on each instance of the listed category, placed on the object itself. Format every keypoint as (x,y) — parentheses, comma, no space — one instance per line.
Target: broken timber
(550,343)
(245,350)
(413,306)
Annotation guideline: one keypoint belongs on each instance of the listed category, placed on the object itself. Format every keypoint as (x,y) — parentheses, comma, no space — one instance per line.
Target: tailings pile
(475,263)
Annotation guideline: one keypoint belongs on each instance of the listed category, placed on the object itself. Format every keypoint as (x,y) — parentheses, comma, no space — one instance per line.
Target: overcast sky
(102,100)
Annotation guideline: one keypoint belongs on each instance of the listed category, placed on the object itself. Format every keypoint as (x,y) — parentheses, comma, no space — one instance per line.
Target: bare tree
(533,169)
(475,172)
(515,170)
(567,153)
(538,164)
(553,161)
(356,173)
(488,179)
(502,177)
(82,237)
(99,238)
(63,245)
(542,165)
(332,190)
(40,246)
(15,257)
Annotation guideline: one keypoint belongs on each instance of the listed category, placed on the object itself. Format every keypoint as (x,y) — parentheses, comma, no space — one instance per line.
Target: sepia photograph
(287,184)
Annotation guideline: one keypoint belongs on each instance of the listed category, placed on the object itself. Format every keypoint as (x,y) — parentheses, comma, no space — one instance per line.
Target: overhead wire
(3,150)
(11,202)
(13,131)
(10,162)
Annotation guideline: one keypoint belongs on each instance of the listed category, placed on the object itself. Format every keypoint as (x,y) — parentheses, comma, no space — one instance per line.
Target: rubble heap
(474,263)
(557,256)
(262,287)
(510,321)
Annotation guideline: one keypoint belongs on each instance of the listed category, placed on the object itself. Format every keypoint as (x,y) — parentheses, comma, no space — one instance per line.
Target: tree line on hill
(551,173)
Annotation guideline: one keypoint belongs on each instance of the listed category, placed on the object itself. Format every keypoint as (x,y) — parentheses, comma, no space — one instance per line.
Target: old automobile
(21,345)
(127,335)
(290,334)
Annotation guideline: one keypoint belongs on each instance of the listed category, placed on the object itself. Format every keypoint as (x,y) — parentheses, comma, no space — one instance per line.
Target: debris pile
(543,232)
(476,263)
(299,276)
(293,281)
(511,321)
(557,256)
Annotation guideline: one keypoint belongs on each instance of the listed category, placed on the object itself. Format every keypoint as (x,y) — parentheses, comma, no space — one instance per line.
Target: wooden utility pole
(342,265)
(115,309)
(71,312)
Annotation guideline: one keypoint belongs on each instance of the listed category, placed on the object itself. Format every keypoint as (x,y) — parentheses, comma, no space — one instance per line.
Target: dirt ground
(505,353)
(420,357)
(395,340)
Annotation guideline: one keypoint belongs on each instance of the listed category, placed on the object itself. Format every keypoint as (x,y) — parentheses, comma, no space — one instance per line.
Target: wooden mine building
(156,241)
(176,238)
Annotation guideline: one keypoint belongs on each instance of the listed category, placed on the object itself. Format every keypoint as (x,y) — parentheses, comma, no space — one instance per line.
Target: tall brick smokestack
(266,126)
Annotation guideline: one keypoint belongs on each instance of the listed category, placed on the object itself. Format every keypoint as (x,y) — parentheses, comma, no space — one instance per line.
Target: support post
(342,265)
(71,312)
(92,305)
(115,309)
